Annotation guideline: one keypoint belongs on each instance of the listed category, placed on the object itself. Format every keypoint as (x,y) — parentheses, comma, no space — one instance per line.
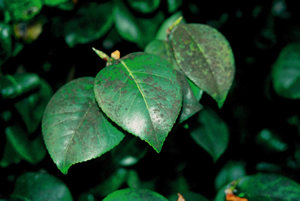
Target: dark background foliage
(256,30)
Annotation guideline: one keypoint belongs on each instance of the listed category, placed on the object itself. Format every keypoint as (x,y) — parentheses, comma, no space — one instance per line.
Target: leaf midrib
(76,129)
(140,90)
(206,59)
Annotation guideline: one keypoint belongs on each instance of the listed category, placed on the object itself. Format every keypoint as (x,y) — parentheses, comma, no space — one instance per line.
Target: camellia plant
(166,121)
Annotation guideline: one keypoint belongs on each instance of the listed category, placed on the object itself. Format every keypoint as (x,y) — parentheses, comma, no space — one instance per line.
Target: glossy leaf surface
(206,58)
(211,133)
(144,6)
(32,107)
(268,187)
(40,186)
(5,42)
(286,72)
(74,128)
(91,22)
(13,86)
(141,93)
(137,30)
(23,10)
(130,194)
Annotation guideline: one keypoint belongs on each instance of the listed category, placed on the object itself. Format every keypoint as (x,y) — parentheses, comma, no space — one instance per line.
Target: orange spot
(231,197)
(180,197)
(116,54)
(75,1)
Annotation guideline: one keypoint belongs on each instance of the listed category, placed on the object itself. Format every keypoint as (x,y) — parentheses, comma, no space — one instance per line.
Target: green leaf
(23,10)
(33,151)
(54,2)
(211,133)
(173,5)
(286,72)
(270,142)
(164,50)
(144,6)
(32,107)
(90,23)
(133,180)
(189,196)
(196,90)
(5,42)
(190,104)
(40,186)
(112,183)
(141,93)
(268,187)
(10,155)
(162,31)
(232,170)
(74,128)
(130,194)
(12,86)
(206,58)
(129,151)
(139,30)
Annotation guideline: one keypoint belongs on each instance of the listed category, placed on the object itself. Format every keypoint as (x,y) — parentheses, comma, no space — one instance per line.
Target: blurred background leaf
(286,72)
(211,133)
(139,30)
(5,42)
(144,6)
(40,186)
(23,10)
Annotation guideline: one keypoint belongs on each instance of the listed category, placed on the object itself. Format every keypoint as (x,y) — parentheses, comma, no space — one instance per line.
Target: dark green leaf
(5,42)
(10,155)
(286,72)
(173,5)
(164,50)
(133,179)
(190,105)
(206,58)
(130,194)
(13,86)
(141,93)
(67,6)
(54,2)
(270,142)
(111,184)
(32,107)
(211,133)
(189,196)
(162,31)
(91,22)
(196,90)
(268,187)
(144,6)
(23,10)
(74,128)
(33,151)
(137,30)
(233,170)
(129,151)
(40,186)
